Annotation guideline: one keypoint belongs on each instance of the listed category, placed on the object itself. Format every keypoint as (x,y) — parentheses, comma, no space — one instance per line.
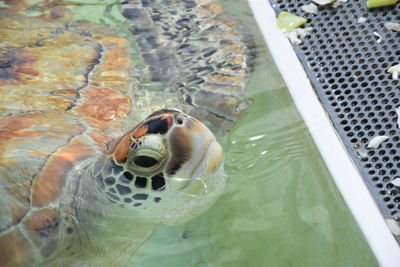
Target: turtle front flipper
(196,50)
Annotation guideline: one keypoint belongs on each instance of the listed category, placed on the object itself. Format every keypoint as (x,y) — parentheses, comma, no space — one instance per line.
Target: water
(280,206)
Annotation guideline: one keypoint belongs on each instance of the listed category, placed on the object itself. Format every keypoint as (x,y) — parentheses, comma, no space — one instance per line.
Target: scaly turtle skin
(80,184)
(194,49)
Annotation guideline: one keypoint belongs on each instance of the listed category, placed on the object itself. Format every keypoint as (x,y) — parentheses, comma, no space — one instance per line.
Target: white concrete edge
(343,171)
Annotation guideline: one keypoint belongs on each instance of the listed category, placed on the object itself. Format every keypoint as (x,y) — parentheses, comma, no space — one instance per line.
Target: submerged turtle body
(80,184)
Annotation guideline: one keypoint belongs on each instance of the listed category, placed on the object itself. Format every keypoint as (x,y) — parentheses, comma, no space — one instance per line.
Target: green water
(281,206)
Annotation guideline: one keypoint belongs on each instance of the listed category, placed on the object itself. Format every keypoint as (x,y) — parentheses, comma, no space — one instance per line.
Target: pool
(280,206)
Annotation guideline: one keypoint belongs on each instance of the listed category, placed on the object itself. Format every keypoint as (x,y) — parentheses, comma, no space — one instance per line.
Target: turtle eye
(148,155)
(145,161)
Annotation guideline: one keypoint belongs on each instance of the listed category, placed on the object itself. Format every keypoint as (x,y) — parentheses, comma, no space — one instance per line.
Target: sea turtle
(80,183)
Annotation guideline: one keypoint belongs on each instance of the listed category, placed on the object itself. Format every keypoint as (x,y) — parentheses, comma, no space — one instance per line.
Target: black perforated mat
(347,62)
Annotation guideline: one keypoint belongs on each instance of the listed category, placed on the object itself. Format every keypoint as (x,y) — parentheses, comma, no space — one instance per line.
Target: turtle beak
(196,152)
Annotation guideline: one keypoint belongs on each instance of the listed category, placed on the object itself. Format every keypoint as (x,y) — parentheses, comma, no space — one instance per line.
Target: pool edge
(344,173)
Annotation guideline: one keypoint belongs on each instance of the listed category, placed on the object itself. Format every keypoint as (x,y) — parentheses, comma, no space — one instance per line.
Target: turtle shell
(64,93)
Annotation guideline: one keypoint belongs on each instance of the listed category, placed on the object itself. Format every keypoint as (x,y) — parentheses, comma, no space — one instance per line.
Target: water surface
(281,206)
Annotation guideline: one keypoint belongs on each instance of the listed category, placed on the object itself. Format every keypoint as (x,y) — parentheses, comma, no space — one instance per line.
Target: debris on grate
(310,8)
(377,141)
(347,56)
(394,70)
(324,2)
(379,40)
(396,182)
(398,116)
(361,20)
(392,26)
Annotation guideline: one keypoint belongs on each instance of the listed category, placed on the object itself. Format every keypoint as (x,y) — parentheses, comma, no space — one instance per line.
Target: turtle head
(166,170)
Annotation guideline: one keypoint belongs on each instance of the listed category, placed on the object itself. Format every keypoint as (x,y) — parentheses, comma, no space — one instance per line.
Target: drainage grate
(347,63)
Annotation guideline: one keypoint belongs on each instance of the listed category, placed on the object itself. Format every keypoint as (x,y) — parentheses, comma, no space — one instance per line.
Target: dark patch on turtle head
(158,182)
(181,150)
(123,190)
(141,182)
(109,180)
(126,178)
(140,196)
(157,126)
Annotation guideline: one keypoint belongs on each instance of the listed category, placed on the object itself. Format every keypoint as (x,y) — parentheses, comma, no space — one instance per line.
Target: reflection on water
(280,207)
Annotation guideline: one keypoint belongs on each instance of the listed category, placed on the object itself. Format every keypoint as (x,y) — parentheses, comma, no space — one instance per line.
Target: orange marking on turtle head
(48,184)
(139,132)
(122,148)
